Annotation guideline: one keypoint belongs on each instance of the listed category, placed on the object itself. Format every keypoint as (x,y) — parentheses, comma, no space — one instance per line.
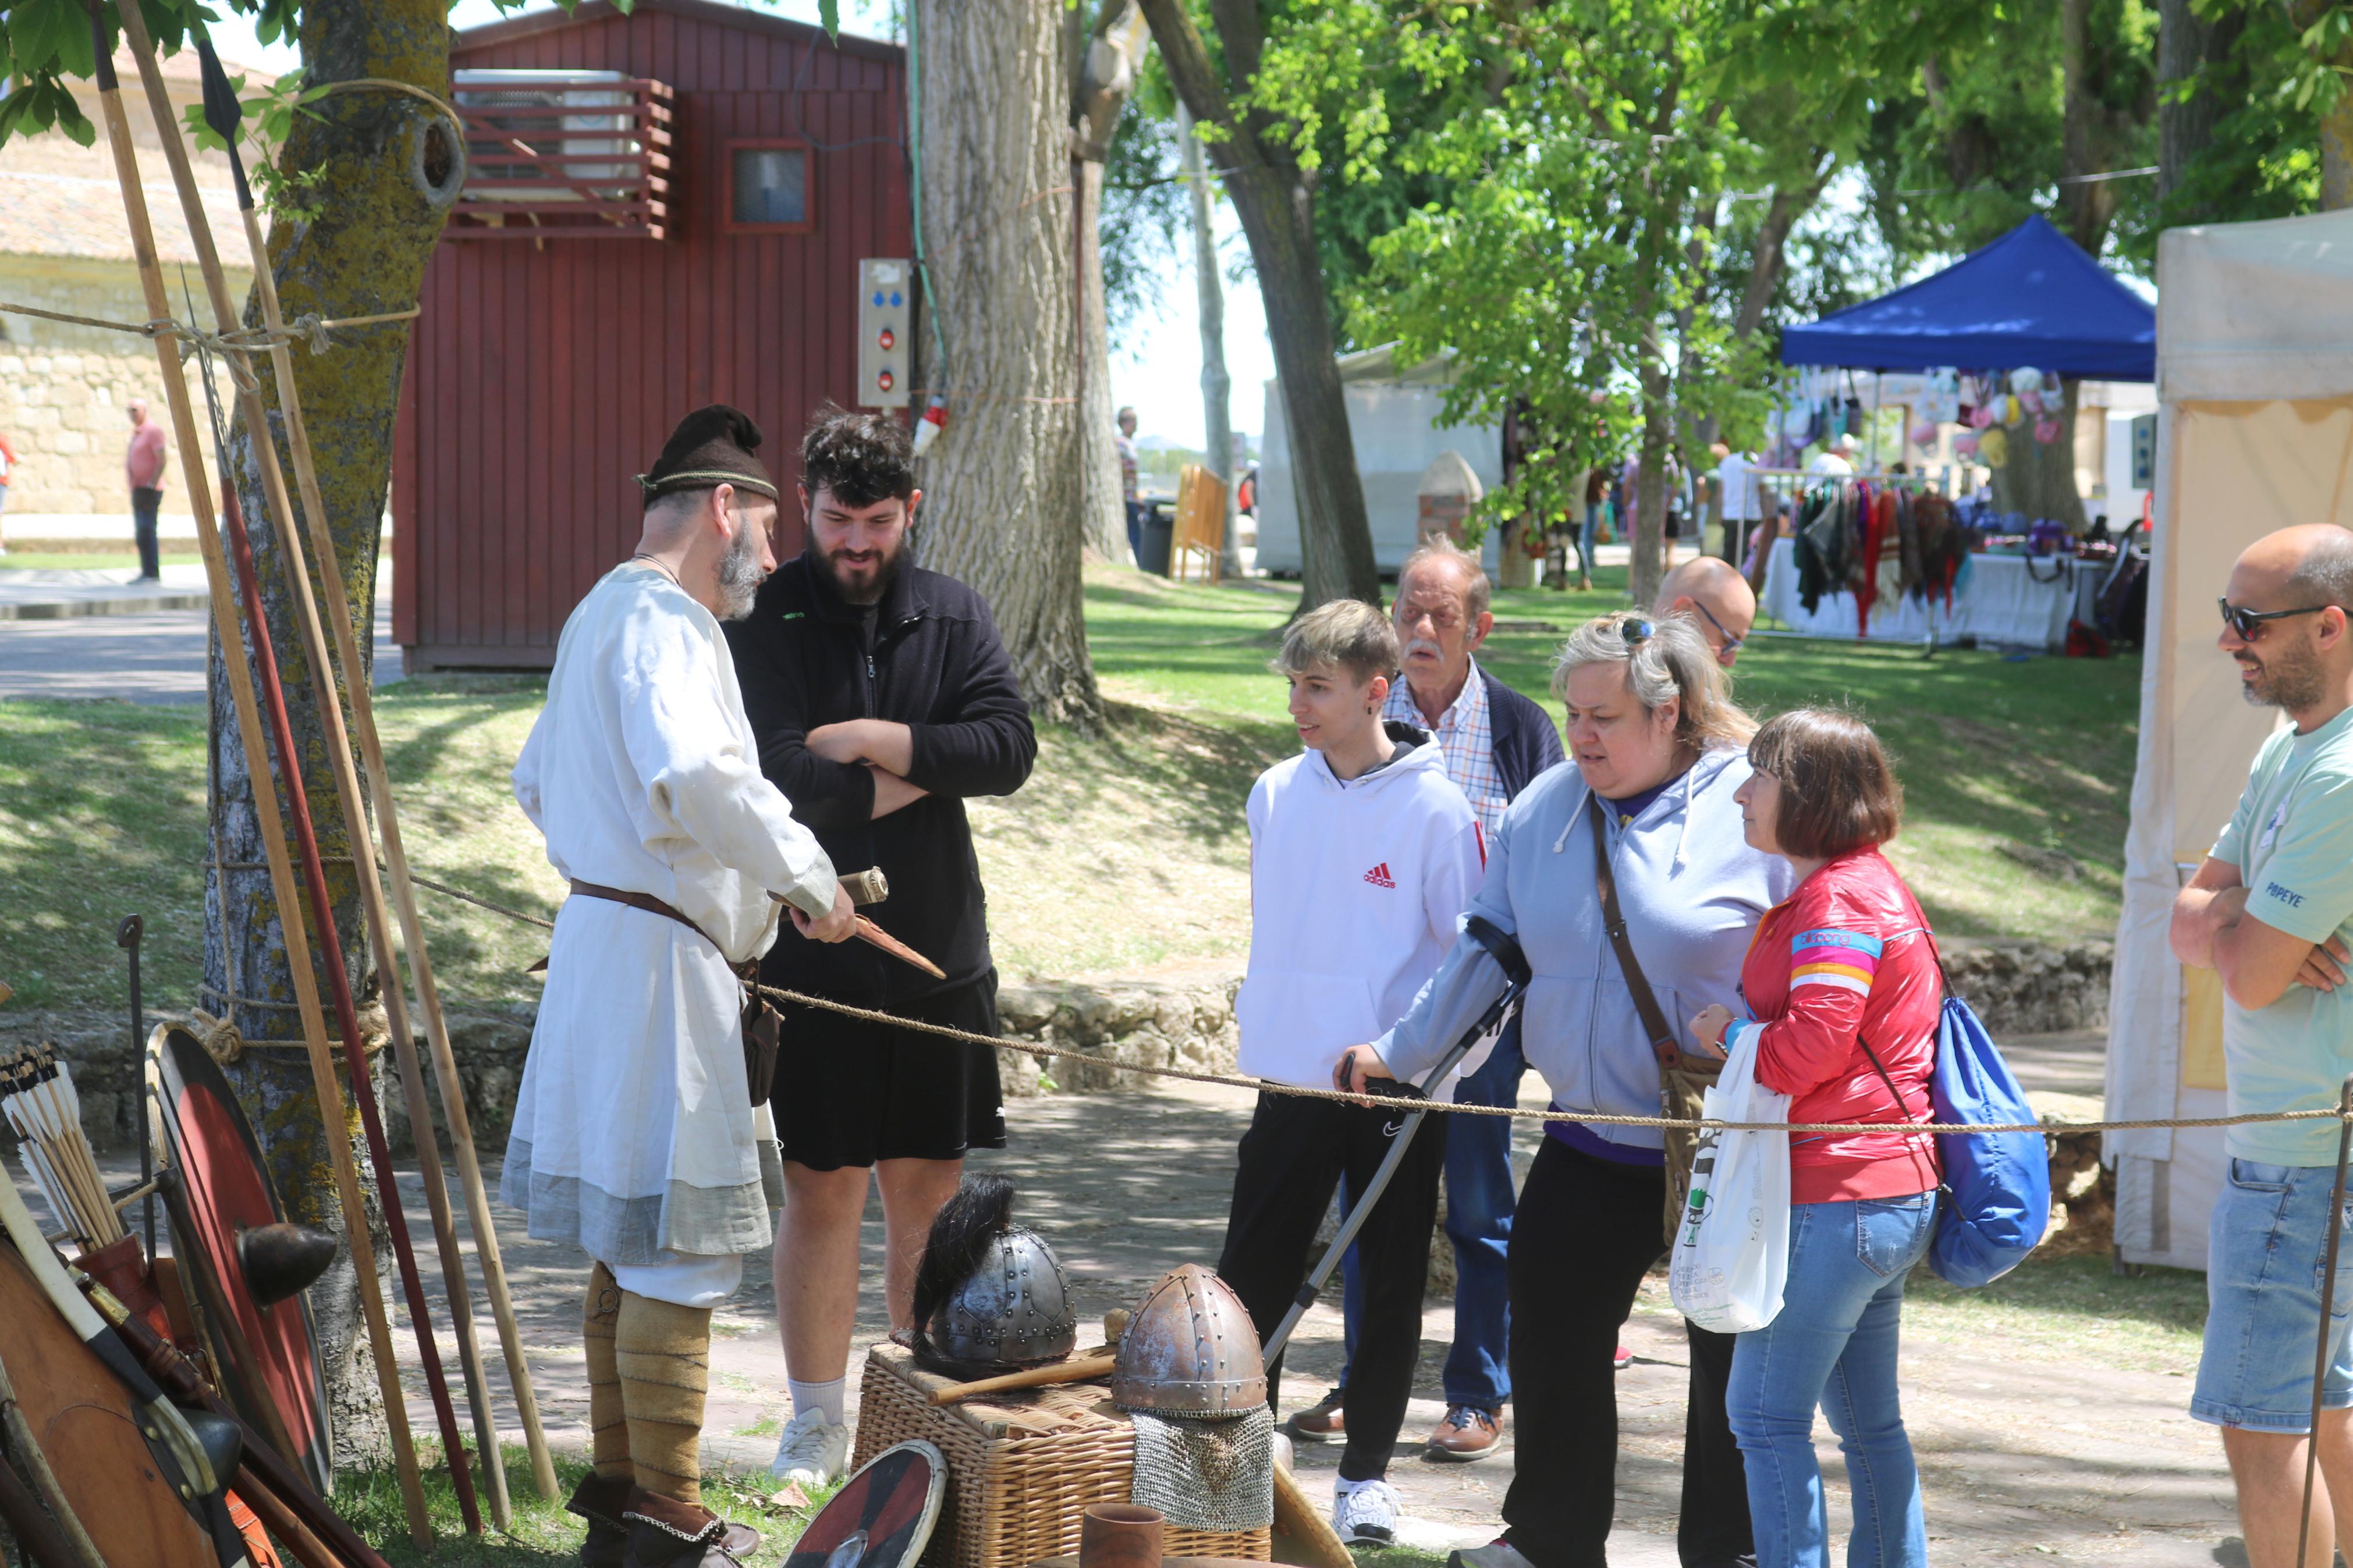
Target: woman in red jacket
(1842,987)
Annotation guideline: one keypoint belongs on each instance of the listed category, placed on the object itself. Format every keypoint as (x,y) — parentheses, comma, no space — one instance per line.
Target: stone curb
(73,609)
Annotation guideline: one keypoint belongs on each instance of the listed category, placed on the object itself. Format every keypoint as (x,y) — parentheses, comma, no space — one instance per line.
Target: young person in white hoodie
(1364,855)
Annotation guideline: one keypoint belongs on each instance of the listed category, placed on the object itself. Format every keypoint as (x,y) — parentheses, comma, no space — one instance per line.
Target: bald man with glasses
(1716,599)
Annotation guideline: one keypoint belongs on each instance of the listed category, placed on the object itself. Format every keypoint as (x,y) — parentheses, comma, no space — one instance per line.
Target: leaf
(829,17)
(789,1496)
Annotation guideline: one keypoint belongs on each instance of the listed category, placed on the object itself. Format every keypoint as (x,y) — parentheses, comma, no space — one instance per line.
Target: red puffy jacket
(1846,958)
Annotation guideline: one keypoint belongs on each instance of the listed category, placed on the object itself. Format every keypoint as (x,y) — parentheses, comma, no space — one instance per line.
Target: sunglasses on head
(1637,631)
(2248,625)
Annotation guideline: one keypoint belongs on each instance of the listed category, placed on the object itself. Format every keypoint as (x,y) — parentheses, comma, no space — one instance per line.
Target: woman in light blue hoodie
(1658,749)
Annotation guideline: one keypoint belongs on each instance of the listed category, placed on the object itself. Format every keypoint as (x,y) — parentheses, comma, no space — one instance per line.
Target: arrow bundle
(36,1091)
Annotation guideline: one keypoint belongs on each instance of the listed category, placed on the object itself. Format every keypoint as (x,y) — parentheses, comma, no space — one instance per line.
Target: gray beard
(2291,682)
(739,574)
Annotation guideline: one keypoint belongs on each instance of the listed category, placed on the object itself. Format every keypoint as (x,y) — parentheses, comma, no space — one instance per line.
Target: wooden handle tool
(868,931)
(1078,1369)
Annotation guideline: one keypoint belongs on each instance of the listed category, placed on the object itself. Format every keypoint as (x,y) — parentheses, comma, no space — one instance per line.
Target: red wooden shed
(663,209)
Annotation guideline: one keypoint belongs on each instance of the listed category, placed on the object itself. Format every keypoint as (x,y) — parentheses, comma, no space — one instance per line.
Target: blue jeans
(1585,539)
(1833,1346)
(1479,1203)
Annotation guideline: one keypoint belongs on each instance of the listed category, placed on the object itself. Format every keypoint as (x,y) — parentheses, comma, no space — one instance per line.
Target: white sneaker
(1367,1515)
(811,1452)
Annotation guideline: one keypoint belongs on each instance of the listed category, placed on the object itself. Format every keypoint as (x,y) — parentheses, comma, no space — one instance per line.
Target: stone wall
(2032,988)
(64,390)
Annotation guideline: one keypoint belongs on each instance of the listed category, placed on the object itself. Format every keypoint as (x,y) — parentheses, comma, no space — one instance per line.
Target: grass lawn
(86,561)
(1124,851)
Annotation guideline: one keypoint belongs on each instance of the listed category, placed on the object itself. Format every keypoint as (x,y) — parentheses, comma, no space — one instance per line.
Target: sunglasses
(2248,625)
(1731,643)
(1637,631)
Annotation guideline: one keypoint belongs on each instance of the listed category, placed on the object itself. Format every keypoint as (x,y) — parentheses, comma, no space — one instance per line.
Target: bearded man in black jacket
(882,698)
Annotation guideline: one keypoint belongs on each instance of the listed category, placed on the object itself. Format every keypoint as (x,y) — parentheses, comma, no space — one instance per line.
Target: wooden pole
(265,797)
(404,894)
(355,804)
(339,752)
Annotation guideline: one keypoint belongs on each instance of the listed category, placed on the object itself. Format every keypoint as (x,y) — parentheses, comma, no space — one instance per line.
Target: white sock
(824,1396)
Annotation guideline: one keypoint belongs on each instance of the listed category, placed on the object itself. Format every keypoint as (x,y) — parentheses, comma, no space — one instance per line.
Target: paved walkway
(92,634)
(2024,1461)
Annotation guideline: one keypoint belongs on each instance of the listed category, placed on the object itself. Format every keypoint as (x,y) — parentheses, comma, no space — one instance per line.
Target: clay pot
(1120,1535)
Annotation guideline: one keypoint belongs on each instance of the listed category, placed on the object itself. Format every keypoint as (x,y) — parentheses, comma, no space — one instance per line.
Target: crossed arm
(886,748)
(2214,929)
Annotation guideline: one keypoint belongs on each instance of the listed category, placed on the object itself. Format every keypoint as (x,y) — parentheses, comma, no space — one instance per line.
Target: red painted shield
(881,1517)
(228,1192)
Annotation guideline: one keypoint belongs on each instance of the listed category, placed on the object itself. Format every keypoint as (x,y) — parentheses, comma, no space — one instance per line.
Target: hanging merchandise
(2012,412)
(1981,417)
(1944,401)
(2025,379)
(2046,430)
(1965,445)
(1994,447)
(2030,400)
(1923,434)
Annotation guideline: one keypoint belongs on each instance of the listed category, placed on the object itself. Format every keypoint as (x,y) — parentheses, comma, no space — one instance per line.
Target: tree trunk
(2336,153)
(1217,386)
(1275,201)
(392,169)
(2086,206)
(2191,48)
(2038,480)
(1105,66)
(1002,484)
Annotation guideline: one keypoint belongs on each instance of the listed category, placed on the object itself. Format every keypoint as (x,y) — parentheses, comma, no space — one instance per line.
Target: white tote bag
(1732,1251)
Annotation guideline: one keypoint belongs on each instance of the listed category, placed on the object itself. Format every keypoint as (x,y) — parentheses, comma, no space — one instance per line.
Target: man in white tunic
(634,1135)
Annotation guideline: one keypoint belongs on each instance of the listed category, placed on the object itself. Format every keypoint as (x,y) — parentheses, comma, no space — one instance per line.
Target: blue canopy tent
(2031,299)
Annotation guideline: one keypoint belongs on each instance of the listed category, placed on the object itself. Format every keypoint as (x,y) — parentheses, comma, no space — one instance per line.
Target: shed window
(767,187)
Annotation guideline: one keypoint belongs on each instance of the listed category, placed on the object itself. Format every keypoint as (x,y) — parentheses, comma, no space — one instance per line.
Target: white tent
(2254,375)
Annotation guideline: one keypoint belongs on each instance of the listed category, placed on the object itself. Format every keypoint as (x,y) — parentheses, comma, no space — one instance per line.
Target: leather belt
(645,901)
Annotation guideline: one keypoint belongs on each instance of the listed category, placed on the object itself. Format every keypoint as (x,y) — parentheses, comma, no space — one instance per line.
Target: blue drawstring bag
(1997,1186)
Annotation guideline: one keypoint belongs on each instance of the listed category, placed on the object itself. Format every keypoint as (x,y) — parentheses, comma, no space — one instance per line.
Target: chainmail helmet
(1190,1350)
(989,1296)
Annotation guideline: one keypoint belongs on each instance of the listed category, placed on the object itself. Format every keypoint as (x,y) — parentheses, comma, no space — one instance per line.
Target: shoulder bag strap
(1646,1002)
(1904,1112)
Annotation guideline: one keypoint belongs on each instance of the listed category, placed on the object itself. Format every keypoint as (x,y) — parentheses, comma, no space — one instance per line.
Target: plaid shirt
(1467,740)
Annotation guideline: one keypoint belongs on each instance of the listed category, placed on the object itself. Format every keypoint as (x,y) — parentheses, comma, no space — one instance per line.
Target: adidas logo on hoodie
(1379,876)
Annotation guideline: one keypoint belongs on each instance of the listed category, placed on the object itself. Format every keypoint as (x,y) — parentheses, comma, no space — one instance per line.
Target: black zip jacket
(929,658)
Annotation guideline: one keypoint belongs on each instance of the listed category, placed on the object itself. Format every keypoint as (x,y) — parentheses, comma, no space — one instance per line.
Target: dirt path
(2025,1462)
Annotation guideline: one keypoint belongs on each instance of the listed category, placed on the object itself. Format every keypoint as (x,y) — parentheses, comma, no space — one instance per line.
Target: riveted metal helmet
(1014,1309)
(1190,1350)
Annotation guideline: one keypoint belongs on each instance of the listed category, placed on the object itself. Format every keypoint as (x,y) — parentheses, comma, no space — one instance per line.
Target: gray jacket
(1691,891)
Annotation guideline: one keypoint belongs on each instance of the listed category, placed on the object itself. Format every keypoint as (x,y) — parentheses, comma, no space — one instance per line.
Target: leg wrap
(664,1355)
(608,1430)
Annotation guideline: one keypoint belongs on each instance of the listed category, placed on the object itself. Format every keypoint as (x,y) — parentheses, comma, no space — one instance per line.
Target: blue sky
(1157,367)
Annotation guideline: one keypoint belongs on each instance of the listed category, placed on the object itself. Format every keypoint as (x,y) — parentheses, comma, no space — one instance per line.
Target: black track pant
(1292,1161)
(1585,1232)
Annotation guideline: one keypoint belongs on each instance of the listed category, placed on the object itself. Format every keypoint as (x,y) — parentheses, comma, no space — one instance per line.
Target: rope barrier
(1599,1118)
(239,344)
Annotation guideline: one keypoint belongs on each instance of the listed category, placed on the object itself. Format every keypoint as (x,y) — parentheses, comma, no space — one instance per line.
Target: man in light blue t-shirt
(2270,911)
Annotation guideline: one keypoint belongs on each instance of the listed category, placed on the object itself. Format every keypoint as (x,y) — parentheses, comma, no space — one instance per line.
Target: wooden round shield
(226,1191)
(881,1517)
(87,1428)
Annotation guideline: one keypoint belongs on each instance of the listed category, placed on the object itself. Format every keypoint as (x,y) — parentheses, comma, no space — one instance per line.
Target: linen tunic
(634,1134)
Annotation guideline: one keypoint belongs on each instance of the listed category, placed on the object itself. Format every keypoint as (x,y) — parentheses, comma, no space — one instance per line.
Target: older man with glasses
(1716,599)
(1493,741)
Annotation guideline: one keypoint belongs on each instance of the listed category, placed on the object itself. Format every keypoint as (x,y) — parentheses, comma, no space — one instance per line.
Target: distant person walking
(2270,911)
(1126,442)
(143,467)
(8,468)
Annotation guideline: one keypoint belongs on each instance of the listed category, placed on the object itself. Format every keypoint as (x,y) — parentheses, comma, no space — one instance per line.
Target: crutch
(1505,951)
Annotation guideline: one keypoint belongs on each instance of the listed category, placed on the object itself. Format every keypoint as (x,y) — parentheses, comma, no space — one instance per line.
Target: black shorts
(849,1092)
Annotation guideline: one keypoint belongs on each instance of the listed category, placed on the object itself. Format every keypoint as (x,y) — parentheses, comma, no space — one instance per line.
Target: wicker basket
(1022,1467)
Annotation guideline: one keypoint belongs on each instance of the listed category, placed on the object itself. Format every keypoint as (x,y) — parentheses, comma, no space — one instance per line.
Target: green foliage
(288,197)
(1146,209)
(45,42)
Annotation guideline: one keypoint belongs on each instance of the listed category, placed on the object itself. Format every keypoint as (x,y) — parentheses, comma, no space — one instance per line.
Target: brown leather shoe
(1468,1433)
(667,1533)
(600,1501)
(1321,1422)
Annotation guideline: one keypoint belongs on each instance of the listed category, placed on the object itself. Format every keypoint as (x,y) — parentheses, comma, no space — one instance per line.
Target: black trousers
(1292,1161)
(1585,1232)
(145,503)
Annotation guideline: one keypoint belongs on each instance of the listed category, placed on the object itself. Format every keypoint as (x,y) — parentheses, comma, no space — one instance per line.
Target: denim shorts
(2265,1255)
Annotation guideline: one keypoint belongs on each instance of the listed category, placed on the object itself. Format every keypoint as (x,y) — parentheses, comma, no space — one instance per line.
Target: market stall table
(2021,600)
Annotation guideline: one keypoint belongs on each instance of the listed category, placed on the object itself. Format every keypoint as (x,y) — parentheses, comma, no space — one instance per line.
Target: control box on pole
(886,355)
